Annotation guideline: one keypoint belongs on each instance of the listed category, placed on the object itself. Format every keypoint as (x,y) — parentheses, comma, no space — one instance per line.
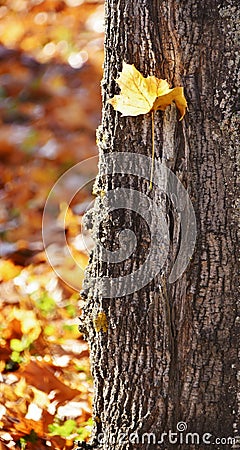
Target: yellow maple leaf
(140,95)
(100,322)
(8,270)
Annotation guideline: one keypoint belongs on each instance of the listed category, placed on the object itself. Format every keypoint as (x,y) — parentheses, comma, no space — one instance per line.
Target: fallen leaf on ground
(8,270)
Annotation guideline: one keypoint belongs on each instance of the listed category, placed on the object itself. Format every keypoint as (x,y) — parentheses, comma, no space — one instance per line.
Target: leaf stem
(153,152)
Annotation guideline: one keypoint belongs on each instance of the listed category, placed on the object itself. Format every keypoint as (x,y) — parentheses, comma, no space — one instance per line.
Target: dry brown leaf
(43,377)
(140,95)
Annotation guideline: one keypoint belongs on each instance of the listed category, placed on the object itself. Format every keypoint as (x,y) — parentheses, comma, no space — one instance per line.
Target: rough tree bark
(168,352)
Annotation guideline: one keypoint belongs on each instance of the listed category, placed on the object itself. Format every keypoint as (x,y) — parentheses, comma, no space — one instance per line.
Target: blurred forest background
(51,55)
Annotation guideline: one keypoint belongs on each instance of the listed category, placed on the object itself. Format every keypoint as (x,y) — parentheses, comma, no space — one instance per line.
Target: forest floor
(51,55)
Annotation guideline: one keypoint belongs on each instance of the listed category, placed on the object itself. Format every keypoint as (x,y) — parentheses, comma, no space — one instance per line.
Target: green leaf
(71,310)
(64,430)
(46,304)
(83,433)
(50,330)
(16,357)
(70,328)
(17,345)
(85,430)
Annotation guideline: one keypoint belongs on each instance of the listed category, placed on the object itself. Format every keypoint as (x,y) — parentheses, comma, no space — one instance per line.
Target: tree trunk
(165,357)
